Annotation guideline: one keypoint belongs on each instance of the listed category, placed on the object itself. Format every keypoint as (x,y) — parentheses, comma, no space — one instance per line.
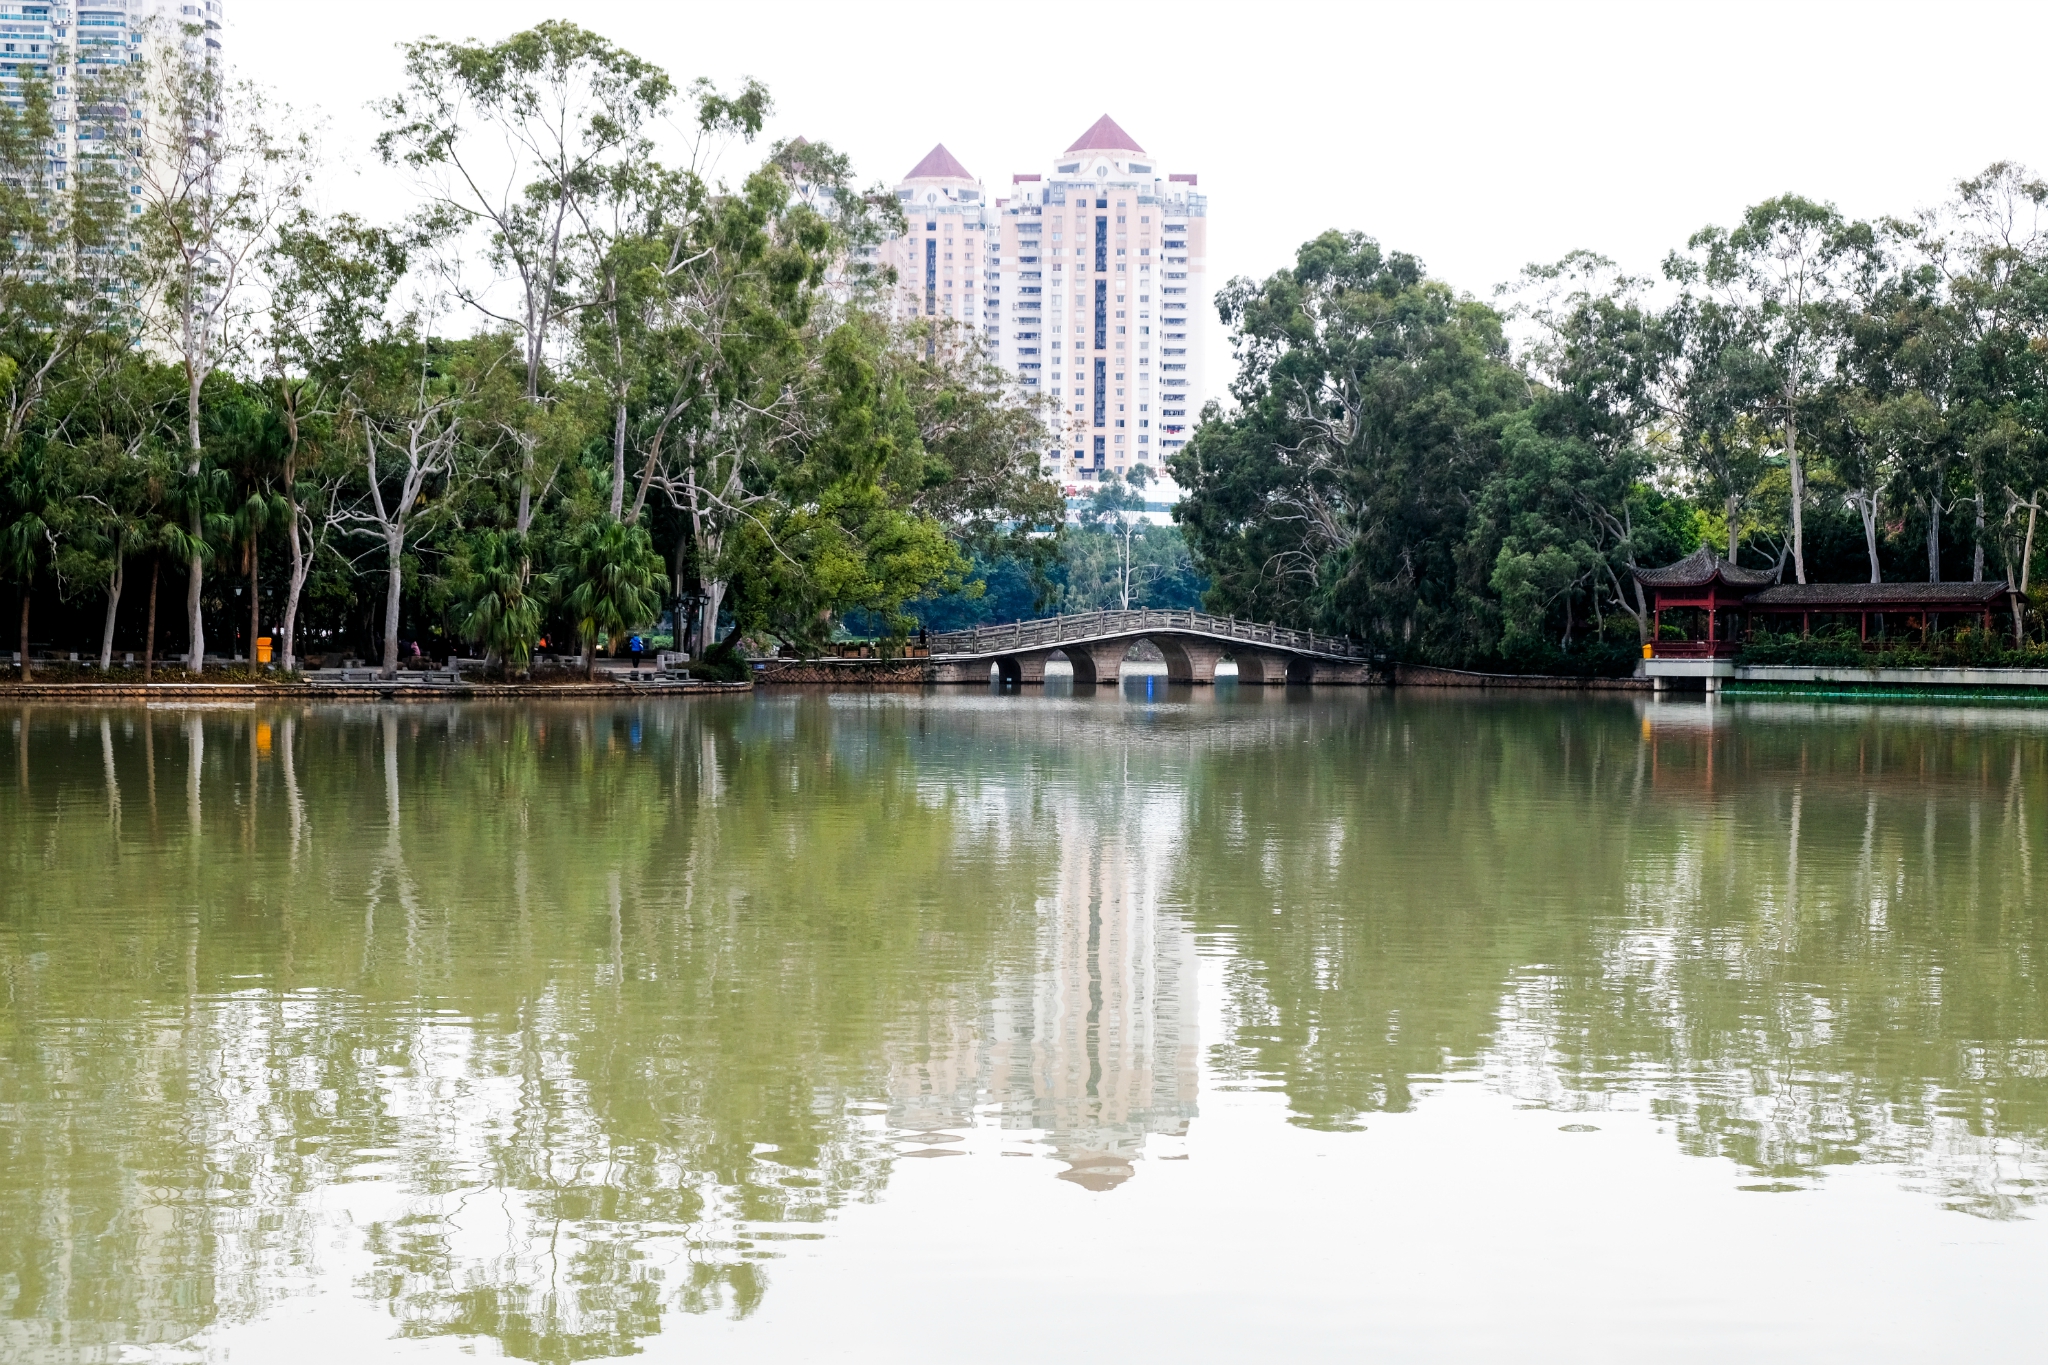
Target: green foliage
(494,598)
(679,389)
(1838,646)
(608,577)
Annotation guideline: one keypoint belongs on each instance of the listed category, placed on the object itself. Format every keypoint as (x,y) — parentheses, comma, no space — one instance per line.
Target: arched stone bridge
(1193,642)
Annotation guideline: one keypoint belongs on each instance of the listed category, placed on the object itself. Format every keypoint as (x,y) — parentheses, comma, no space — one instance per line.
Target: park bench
(372,676)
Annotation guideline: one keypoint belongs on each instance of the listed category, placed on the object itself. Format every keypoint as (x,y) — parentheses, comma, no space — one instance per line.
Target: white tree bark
(113,605)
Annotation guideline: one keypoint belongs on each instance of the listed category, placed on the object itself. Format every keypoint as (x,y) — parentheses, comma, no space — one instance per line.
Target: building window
(1101,399)
(1101,448)
(1102,243)
(931,275)
(1101,314)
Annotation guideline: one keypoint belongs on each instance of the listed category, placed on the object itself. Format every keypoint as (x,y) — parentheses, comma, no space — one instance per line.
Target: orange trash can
(263,649)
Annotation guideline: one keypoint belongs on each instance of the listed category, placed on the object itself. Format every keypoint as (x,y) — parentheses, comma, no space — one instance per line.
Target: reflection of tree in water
(580,1011)
(1805,939)
(556,983)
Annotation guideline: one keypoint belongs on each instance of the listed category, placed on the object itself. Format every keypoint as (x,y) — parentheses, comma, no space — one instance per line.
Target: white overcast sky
(1478,136)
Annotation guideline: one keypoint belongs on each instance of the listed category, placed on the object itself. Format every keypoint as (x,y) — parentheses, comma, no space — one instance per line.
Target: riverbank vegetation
(1472,483)
(584,385)
(589,388)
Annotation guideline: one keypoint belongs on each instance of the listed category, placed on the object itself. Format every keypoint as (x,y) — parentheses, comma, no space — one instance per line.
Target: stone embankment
(1421,675)
(844,672)
(383,691)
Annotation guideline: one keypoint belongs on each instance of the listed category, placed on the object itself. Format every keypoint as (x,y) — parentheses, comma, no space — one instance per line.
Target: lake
(1156,1022)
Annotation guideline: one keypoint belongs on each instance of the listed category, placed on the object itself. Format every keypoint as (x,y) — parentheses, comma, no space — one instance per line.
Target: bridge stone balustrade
(1193,644)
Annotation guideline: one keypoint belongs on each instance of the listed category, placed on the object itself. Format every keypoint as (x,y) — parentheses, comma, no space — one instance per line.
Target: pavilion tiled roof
(1105,136)
(1700,568)
(938,164)
(1877,596)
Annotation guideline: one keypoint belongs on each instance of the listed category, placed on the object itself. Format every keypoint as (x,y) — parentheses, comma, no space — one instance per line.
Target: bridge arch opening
(1179,667)
(1252,669)
(1082,661)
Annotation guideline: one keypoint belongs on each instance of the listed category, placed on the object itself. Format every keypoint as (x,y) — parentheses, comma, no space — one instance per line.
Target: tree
(32,508)
(407,413)
(831,525)
(1713,382)
(733,350)
(514,140)
(330,283)
(1781,270)
(1369,400)
(1989,247)
(636,236)
(218,169)
(496,606)
(610,583)
(1565,519)
(1118,511)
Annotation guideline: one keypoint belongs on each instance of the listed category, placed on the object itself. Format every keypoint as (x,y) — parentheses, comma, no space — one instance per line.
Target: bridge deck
(1055,632)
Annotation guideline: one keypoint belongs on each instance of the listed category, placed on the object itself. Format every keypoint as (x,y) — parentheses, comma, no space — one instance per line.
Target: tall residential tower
(68,44)
(938,261)
(1091,279)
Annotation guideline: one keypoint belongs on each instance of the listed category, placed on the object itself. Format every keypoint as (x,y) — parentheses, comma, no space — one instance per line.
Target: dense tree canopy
(585,386)
(1472,485)
(588,386)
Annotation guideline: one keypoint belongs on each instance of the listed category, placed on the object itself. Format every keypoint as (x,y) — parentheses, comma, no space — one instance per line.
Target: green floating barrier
(2014,696)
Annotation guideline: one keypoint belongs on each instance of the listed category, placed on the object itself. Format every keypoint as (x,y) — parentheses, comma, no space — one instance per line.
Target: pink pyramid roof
(938,164)
(1105,136)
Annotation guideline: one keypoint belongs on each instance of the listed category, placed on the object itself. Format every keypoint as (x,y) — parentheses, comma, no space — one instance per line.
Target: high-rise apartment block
(69,46)
(1085,282)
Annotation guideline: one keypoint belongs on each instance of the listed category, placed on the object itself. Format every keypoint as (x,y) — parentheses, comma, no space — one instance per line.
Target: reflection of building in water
(1096,1047)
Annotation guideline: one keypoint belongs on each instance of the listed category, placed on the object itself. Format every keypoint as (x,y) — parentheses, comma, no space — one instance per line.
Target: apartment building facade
(69,46)
(1091,279)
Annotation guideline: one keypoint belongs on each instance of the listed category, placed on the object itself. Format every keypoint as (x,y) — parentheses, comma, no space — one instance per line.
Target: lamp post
(690,604)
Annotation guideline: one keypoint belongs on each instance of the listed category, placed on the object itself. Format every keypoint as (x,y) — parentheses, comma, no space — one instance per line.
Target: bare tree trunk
(394,541)
(25,587)
(291,595)
(195,626)
(1933,505)
(149,628)
(1867,504)
(113,605)
(1977,555)
(255,606)
(1731,507)
(714,600)
(2019,608)
(195,630)
(525,500)
(619,461)
(1798,495)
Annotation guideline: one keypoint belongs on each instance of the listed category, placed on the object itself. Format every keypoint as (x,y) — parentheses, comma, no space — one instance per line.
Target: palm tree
(28,539)
(496,606)
(610,580)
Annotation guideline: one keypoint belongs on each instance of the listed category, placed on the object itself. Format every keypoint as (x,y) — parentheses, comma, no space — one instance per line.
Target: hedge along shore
(565,691)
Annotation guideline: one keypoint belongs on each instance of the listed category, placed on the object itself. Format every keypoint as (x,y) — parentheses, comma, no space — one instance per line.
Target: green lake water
(1200,1024)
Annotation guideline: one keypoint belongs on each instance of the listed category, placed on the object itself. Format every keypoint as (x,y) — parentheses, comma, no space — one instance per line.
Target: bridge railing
(1053,631)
